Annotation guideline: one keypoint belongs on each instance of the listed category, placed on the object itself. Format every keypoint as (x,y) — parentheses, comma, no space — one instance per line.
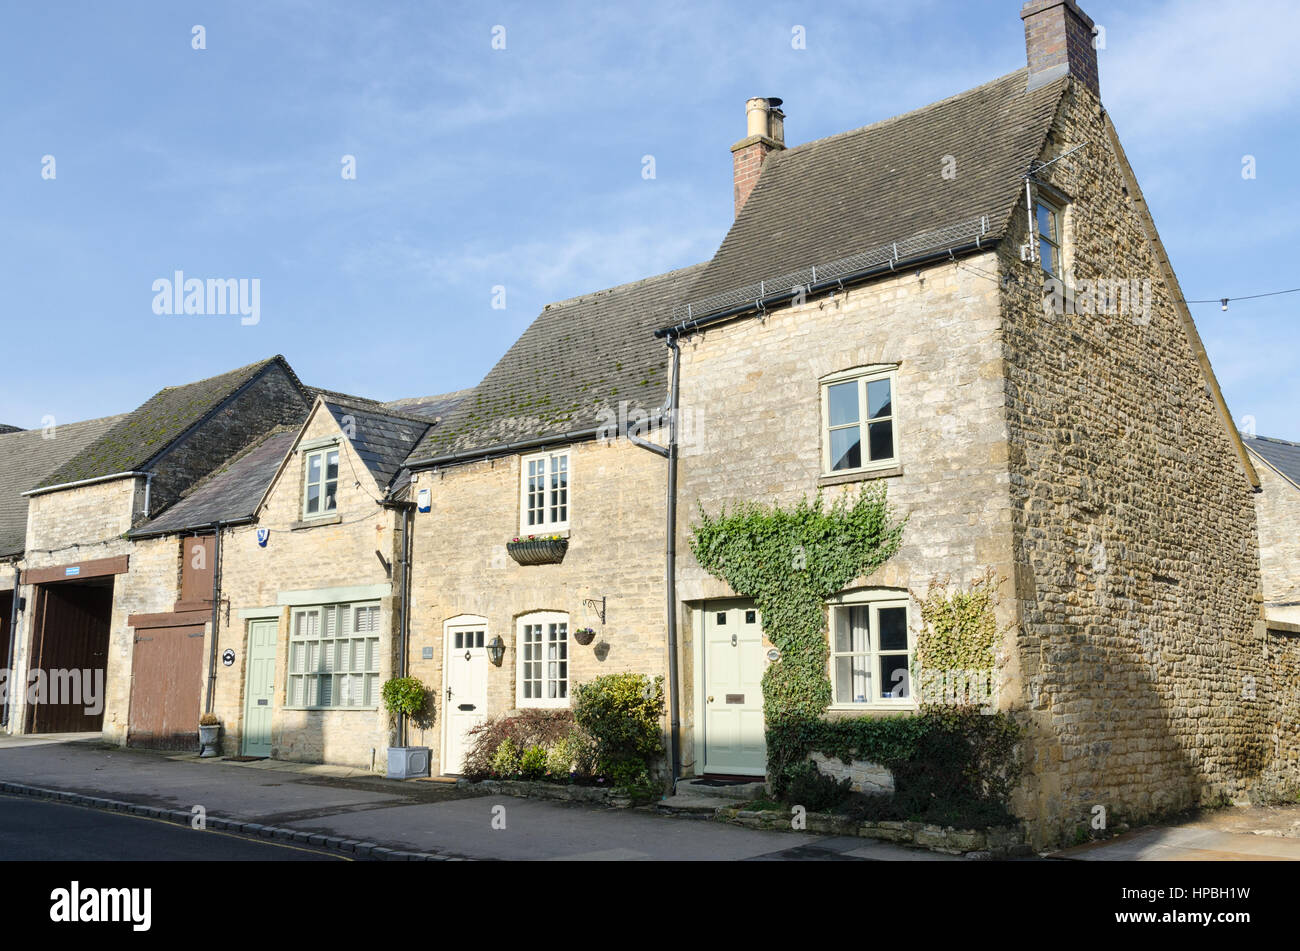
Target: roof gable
(29,456)
(147,432)
(230,494)
(382,439)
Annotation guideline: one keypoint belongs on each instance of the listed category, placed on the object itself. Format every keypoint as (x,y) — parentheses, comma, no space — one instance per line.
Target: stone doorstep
(690,787)
(250,830)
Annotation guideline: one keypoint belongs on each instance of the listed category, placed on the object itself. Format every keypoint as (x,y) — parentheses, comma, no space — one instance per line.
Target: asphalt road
(43,831)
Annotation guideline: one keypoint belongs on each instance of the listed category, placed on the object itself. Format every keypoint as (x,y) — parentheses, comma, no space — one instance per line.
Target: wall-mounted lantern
(496,650)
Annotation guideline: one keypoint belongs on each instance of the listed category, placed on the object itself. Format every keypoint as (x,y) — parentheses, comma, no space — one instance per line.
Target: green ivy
(951,765)
(790,562)
(960,628)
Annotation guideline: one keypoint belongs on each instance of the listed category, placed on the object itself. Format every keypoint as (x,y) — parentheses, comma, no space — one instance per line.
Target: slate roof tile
(578,358)
(858,191)
(1281,455)
(26,459)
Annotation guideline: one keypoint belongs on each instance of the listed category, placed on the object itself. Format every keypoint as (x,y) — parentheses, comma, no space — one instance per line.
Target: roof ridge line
(889,120)
(380,411)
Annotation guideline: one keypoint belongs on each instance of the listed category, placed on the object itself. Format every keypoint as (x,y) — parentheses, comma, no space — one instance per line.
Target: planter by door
(208,736)
(408,762)
(538,551)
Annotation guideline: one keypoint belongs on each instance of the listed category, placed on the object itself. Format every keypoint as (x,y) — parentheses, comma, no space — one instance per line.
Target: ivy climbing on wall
(952,764)
(790,561)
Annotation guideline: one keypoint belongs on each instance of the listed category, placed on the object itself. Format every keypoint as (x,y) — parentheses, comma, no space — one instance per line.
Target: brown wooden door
(166,687)
(72,625)
(196,571)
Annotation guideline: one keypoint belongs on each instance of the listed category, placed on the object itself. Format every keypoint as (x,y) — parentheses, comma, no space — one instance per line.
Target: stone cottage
(971,304)
(538,537)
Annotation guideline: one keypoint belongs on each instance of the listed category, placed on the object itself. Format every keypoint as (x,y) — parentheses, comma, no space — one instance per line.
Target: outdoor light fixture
(496,650)
(1224,302)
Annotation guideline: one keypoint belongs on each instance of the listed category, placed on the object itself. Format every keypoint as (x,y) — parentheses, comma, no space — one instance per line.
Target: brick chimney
(764,134)
(1058,40)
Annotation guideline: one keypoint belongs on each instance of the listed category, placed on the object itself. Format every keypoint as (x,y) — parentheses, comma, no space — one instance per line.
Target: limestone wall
(616,552)
(1137,565)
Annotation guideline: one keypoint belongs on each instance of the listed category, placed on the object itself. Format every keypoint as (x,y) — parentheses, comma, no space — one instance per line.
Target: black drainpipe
(670,564)
(404,602)
(216,618)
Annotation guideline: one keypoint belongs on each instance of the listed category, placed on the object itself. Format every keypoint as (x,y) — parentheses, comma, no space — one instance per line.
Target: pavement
(338,805)
(1235,834)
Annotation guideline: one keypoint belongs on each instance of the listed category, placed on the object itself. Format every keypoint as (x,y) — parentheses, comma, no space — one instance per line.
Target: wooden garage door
(70,634)
(166,687)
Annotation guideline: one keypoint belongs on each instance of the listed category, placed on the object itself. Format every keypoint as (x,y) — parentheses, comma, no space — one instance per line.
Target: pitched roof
(383,440)
(861,191)
(26,458)
(1281,455)
(143,434)
(578,358)
(429,407)
(232,492)
(6,428)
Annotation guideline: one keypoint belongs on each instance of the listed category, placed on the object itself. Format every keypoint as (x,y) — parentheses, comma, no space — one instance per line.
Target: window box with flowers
(538,549)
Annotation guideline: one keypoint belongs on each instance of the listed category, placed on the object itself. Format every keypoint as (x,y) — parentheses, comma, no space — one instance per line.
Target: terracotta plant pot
(538,551)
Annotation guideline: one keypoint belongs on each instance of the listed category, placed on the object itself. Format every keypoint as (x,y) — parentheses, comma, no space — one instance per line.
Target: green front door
(259,692)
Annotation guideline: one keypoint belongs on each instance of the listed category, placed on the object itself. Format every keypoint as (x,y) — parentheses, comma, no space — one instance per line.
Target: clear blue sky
(522,167)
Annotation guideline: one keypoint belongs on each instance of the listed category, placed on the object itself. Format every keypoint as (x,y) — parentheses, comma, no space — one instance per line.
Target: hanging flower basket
(584,635)
(538,551)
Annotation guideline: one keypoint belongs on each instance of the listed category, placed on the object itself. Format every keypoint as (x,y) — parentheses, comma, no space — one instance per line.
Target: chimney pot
(764,134)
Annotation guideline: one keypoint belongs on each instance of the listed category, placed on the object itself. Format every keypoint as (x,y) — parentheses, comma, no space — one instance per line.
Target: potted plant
(407,697)
(538,549)
(584,635)
(209,733)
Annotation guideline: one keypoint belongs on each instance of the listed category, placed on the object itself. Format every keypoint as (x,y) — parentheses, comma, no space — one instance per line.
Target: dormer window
(320,491)
(1048,218)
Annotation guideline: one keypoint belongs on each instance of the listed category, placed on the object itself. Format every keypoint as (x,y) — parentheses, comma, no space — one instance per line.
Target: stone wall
(616,552)
(1277,506)
(342,554)
(751,410)
(1137,566)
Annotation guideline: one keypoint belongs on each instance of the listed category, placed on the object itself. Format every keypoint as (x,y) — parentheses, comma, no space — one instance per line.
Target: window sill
(545,705)
(313,522)
(873,708)
(861,475)
(340,709)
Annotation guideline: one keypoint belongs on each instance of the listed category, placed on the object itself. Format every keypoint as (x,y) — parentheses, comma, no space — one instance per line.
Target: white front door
(734,741)
(465,697)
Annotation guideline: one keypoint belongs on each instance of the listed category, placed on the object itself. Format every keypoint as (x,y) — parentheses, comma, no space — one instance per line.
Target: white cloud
(1193,65)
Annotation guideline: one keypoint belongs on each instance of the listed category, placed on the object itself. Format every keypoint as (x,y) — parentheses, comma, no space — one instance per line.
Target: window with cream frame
(334,657)
(542,652)
(859,425)
(871,651)
(544,492)
(320,482)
